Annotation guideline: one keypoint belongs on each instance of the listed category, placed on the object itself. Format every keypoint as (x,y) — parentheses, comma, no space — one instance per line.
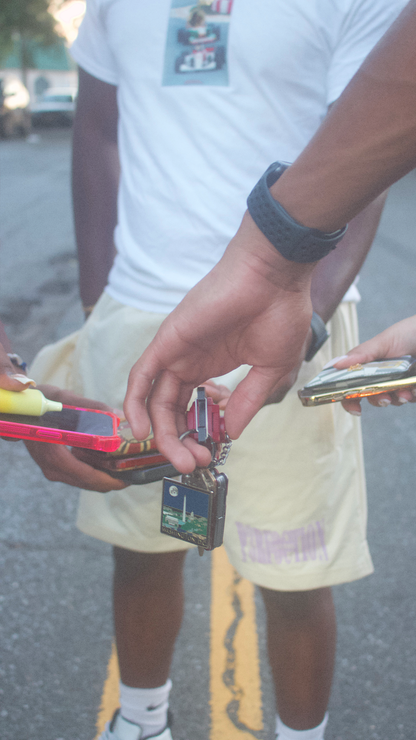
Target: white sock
(146,707)
(286,733)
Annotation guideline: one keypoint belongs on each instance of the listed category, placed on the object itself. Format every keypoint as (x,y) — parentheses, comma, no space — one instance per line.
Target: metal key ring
(213,447)
(186,434)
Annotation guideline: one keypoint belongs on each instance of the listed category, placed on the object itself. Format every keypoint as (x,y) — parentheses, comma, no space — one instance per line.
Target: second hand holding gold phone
(359,381)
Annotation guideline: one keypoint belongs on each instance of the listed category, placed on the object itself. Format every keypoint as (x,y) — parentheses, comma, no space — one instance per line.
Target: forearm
(366,143)
(94,184)
(334,274)
(95,176)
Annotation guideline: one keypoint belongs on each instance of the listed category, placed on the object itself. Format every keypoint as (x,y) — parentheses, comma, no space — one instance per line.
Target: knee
(297,605)
(135,567)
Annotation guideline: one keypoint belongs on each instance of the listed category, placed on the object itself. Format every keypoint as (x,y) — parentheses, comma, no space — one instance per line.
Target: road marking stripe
(110,695)
(235,686)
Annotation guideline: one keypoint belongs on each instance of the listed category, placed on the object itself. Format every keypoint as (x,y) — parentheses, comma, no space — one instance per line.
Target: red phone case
(109,462)
(39,433)
(128,445)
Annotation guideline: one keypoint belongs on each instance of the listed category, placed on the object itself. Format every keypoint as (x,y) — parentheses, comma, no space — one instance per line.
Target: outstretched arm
(366,143)
(254,307)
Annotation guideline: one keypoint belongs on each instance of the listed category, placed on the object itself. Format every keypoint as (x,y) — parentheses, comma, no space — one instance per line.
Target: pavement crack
(229,677)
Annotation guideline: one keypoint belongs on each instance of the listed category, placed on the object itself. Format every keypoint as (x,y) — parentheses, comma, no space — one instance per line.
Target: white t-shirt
(207,101)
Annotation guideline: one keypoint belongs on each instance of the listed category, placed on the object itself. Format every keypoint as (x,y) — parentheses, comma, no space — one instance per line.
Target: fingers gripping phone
(140,462)
(136,469)
(359,381)
(79,427)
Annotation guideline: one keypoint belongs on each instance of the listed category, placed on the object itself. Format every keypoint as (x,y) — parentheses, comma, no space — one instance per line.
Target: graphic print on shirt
(196,43)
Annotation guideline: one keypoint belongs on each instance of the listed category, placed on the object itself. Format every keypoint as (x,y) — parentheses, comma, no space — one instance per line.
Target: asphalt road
(56,626)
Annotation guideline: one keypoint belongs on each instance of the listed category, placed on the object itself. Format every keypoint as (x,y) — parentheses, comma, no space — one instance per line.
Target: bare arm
(95,176)
(366,143)
(335,273)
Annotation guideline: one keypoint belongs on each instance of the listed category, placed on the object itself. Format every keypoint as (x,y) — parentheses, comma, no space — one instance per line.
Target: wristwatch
(295,242)
(319,336)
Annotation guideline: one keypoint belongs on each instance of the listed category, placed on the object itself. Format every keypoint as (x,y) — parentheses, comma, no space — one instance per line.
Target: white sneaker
(121,729)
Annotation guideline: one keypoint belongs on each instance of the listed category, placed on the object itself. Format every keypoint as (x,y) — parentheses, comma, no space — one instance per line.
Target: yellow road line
(110,695)
(235,686)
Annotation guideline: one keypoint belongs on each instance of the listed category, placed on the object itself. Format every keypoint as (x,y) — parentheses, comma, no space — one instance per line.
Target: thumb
(12,378)
(249,397)
(12,381)
(374,349)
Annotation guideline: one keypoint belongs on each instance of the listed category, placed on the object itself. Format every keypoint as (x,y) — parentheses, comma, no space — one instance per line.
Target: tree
(23,22)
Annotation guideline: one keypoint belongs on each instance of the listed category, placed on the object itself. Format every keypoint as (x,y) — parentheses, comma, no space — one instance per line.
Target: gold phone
(359,381)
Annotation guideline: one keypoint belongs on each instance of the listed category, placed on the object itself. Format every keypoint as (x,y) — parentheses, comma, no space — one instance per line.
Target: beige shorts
(296,507)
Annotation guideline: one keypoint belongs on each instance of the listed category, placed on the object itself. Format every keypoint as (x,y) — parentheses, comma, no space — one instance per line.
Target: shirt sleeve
(363,25)
(91,49)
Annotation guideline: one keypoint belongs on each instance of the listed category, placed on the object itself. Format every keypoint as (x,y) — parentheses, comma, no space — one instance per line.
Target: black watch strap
(319,336)
(295,242)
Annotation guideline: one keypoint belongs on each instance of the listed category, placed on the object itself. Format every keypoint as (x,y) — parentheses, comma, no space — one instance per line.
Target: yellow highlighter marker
(30,402)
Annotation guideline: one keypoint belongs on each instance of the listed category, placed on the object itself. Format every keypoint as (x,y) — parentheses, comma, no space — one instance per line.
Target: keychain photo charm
(193,507)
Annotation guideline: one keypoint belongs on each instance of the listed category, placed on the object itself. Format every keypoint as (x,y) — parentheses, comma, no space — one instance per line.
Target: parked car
(56,106)
(14,109)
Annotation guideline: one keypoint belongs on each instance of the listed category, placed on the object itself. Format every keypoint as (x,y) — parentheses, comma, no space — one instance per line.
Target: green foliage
(23,21)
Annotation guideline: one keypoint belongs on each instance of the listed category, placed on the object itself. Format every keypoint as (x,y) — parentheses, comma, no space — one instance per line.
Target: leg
(301,629)
(148,607)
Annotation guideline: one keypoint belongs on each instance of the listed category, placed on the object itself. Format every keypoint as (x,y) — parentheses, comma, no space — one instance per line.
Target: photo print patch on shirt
(196,44)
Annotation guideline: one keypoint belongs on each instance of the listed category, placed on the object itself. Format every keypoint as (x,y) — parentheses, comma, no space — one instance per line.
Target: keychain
(193,508)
